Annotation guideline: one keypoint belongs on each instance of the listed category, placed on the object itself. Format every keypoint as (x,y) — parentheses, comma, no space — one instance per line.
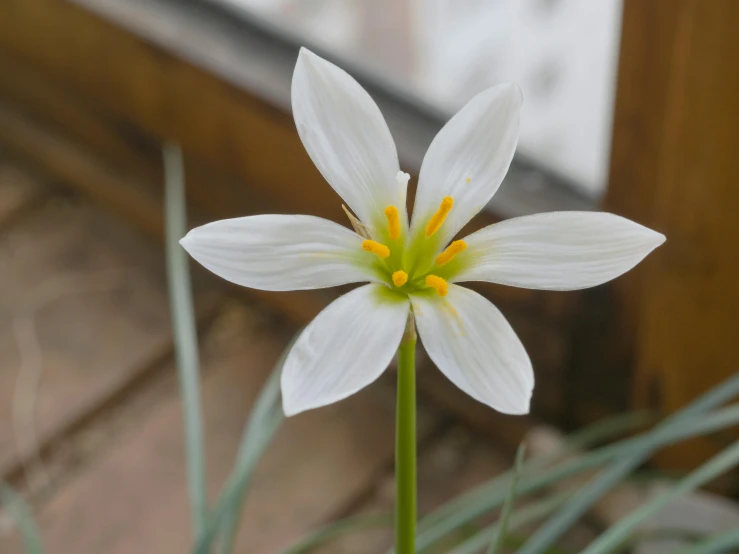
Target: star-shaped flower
(411,266)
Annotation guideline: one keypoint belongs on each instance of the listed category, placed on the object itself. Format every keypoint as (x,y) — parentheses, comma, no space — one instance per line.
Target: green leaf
(715,544)
(343,527)
(625,463)
(481,500)
(21,514)
(526,515)
(184,331)
(264,420)
(618,533)
(497,544)
(591,435)
(610,428)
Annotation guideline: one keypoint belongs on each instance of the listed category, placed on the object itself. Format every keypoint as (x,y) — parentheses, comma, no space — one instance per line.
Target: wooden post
(675,167)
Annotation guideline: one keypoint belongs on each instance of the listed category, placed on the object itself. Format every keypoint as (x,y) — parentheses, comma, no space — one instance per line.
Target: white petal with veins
(469,157)
(280,252)
(344,349)
(557,250)
(346,137)
(471,342)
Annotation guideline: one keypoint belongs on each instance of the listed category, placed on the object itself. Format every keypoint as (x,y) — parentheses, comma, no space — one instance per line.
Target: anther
(400,278)
(438,218)
(452,250)
(393,222)
(376,248)
(437,283)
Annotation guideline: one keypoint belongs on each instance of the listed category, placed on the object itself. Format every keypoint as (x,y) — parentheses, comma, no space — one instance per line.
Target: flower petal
(468,159)
(557,250)
(281,252)
(344,349)
(346,137)
(471,342)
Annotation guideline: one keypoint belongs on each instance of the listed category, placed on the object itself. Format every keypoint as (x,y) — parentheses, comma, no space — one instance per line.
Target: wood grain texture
(675,167)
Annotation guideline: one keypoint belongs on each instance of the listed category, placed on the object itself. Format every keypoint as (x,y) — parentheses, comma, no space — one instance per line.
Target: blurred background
(630,106)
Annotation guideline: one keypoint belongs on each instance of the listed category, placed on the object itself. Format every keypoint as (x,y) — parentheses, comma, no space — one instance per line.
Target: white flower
(412,266)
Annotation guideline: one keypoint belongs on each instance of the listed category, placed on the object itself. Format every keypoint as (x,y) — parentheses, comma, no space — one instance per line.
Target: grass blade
(715,544)
(552,530)
(343,527)
(610,428)
(618,533)
(497,544)
(490,496)
(264,420)
(185,332)
(21,513)
(522,517)
(591,435)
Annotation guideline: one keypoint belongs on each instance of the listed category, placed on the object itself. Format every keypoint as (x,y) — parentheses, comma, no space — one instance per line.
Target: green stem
(405,445)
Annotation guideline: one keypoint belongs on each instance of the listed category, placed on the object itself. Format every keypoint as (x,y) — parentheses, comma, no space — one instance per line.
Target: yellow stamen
(376,248)
(400,278)
(452,250)
(393,222)
(438,218)
(441,286)
(468,179)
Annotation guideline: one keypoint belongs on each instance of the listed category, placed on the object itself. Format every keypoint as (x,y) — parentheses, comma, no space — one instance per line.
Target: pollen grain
(438,284)
(393,222)
(376,248)
(438,218)
(400,278)
(452,250)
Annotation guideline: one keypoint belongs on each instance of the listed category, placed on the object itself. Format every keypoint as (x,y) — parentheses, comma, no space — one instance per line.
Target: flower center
(401,263)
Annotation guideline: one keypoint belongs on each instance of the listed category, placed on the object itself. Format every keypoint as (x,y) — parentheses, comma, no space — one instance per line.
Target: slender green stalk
(496,545)
(21,513)
(405,445)
(614,537)
(185,332)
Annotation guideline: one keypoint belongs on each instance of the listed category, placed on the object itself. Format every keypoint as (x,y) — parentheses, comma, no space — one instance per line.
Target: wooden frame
(89,89)
(675,168)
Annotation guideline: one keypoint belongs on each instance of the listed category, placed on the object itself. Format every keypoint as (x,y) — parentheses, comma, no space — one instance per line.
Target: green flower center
(418,264)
